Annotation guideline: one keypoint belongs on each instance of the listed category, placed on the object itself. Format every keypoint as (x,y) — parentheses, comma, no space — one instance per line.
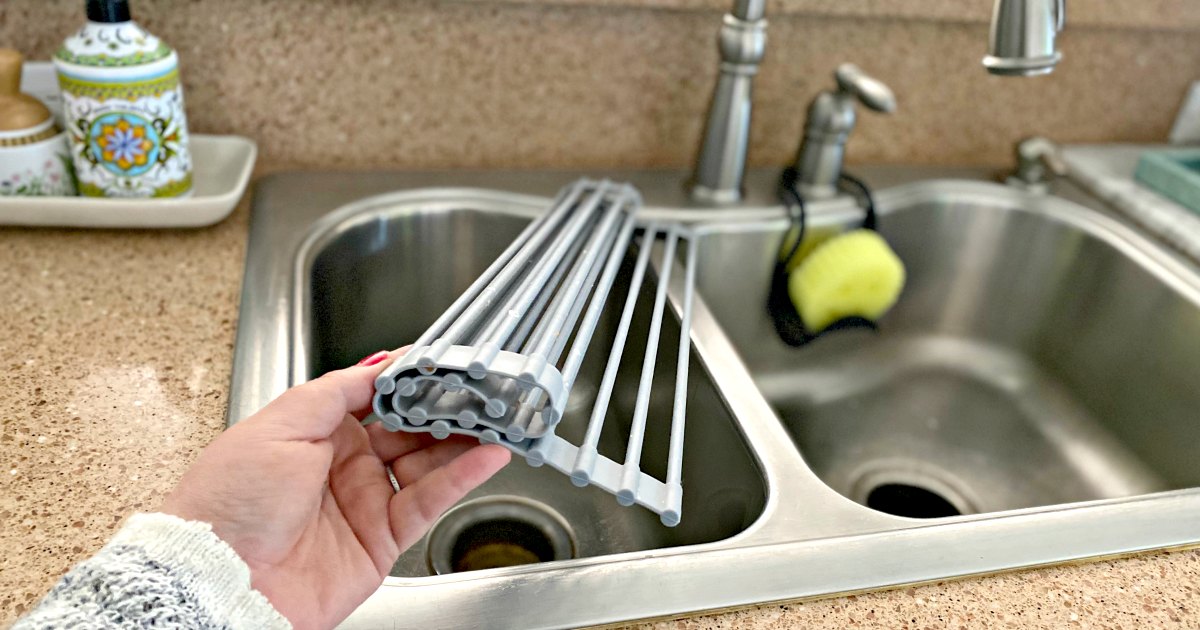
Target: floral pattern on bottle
(124,143)
(130,148)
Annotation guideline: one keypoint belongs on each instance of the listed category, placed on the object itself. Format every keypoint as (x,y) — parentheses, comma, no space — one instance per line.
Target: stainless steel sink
(1031,392)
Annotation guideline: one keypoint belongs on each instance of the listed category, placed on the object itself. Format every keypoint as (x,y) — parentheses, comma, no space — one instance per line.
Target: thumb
(313,410)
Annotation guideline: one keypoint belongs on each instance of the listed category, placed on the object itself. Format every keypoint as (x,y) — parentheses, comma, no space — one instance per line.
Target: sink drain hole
(500,543)
(911,501)
(498,532)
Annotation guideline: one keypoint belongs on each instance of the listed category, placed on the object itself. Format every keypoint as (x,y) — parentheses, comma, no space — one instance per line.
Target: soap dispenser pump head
(109,11)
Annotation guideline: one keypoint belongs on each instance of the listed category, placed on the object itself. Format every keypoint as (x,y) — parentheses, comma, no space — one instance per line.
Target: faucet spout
(1022,41)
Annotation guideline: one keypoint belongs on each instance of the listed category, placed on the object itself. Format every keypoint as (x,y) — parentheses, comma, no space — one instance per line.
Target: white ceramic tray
(222,166)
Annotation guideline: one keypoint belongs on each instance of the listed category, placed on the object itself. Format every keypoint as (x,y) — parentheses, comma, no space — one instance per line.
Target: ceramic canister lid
(19,112)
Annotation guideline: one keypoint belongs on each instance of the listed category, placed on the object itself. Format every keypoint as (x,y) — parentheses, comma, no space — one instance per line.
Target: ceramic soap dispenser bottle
(123,107)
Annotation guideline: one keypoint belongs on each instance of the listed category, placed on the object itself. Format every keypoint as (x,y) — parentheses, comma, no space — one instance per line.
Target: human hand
(300,490)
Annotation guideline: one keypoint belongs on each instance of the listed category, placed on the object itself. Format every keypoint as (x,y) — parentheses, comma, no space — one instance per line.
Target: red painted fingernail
(373,359)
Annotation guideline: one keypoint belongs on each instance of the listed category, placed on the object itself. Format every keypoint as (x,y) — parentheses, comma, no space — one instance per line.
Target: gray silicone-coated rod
(520,300)
(631,472)
(673,512)
(550,290)
(562,320)
(592,317)
(555,261)
(537,453)
(480,300)
(581,299)
(585,461)
(482,281)
(555,329)
(562,293)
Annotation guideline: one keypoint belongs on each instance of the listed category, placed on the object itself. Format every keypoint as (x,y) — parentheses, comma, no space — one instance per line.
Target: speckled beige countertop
(116,346)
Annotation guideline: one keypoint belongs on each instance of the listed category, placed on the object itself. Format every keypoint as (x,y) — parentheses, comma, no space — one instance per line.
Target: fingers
(414,509)
(415,465)
(313,410)
(361,411)
(360,487)
(389,445)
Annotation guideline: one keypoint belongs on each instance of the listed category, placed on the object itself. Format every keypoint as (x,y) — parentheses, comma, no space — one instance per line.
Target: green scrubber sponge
(853,274)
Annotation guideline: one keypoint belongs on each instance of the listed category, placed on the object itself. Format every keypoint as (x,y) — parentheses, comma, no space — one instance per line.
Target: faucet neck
(721,163)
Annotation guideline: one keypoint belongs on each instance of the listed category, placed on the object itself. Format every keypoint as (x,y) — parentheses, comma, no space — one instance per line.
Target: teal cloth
(1172,173)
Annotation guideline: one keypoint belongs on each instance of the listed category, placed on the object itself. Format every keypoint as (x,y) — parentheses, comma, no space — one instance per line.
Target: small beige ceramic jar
(34,158)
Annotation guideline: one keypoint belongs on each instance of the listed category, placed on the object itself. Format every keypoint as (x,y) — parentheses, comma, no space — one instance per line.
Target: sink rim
(770,560)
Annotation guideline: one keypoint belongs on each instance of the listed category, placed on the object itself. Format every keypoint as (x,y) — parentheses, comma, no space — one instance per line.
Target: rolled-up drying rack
(492,366)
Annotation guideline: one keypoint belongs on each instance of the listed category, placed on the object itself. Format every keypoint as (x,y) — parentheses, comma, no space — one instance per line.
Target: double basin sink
(1031,399)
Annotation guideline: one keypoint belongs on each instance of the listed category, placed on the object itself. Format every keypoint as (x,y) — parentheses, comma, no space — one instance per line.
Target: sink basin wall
(1031,360)
(1129,345)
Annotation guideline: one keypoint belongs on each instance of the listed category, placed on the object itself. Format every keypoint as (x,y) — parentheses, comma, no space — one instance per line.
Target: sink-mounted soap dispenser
(831,118)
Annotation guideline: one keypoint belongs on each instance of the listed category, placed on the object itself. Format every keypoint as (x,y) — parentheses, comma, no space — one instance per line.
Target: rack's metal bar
(476,300)
(673,511)
(631,472)
(562,321)
(548,291)
(518,303)
(584,337)
(564,298)
(578,295)
(537,452)
(585,461)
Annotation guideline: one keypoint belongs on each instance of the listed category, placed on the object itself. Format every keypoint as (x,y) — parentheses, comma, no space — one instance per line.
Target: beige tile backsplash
(595,83)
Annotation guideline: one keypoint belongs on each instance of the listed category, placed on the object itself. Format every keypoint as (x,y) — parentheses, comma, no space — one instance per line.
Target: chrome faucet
(1022,43)
(831,118)
(721,164)
(1022,37)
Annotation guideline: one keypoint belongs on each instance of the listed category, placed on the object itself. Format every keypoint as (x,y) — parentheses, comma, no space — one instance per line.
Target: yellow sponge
(813,238)
(854,274)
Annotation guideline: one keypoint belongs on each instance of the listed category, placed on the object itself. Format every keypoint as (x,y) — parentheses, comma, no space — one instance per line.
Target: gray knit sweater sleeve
(159,571)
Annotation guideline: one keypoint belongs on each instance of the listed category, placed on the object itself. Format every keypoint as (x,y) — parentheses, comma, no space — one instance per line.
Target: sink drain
(910,489)
(912,501)
(500,531)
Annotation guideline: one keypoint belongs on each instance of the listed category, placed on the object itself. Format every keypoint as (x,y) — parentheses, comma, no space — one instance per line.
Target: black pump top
(108,11)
